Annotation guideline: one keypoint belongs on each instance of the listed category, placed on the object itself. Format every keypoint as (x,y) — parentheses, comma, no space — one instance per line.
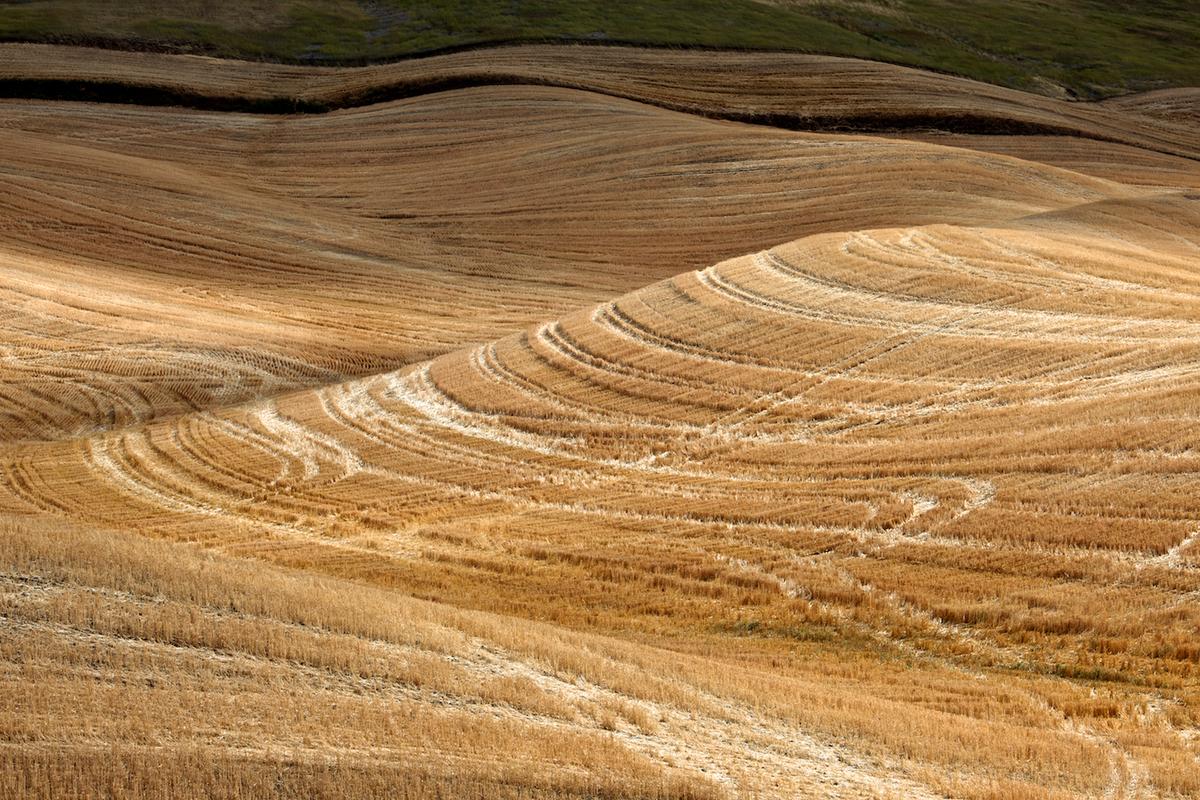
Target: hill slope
(385,237)
(525,441)
(798,92)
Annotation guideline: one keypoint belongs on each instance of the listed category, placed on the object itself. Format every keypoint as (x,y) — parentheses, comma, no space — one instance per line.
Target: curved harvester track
(532,441)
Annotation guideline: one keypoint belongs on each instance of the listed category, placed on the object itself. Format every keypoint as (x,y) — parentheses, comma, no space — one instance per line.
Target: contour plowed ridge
(362,236)
(860,431)
(799,92)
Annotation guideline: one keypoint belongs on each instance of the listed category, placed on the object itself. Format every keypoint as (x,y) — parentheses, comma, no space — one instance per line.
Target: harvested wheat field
(592,422)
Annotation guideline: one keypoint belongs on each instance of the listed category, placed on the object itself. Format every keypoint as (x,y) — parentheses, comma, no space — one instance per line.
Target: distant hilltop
(1069,49)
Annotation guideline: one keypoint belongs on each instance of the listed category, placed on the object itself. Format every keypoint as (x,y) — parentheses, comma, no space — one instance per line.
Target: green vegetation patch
(1085,48)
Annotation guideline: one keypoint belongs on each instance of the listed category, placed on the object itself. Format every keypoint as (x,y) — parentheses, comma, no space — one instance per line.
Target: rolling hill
(549,422)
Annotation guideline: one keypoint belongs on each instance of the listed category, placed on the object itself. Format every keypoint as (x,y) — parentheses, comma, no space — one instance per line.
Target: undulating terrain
(577,422)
